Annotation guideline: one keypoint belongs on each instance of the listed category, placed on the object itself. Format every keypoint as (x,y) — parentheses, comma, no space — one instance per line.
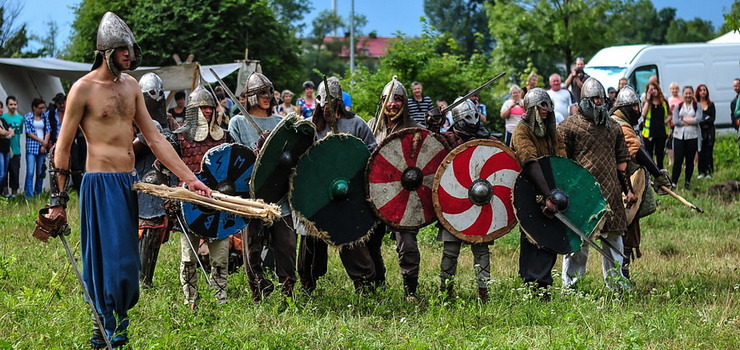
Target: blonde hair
(673,84)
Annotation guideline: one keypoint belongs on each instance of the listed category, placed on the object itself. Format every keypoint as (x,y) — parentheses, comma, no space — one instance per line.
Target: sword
(239,105)
(202,268)
(681,199)
(471,93)
(584,238)
(98,319)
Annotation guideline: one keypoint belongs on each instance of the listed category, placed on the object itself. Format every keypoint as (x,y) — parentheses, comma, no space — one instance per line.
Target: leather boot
(483,294)
(261,289)
(409,287)
(447,289)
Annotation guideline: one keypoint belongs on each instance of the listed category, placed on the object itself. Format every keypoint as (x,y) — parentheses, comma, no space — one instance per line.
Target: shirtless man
(105,103)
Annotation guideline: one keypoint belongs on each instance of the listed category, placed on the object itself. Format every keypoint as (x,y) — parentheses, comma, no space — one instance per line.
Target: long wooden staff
(681,199)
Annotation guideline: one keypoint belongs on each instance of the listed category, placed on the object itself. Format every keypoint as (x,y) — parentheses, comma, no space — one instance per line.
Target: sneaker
(687,186)
(701,176)
(708,176)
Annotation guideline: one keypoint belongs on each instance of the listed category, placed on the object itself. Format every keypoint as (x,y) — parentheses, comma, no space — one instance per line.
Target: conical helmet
(592,88)
(113,33)
(334,91)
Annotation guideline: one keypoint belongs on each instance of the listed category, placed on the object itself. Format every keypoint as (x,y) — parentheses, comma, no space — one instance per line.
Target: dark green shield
(328,190)
(277,157)
(586,208)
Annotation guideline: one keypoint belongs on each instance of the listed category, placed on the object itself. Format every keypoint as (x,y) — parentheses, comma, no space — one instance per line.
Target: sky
(384,16)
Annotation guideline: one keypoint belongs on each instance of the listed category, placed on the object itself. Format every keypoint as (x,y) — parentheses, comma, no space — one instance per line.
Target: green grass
(686,295)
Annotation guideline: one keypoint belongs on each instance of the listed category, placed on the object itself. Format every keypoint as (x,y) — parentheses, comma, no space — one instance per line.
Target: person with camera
(512,112)
(576,78)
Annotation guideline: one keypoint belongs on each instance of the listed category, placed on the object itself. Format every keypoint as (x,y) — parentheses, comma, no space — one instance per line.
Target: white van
(715,65)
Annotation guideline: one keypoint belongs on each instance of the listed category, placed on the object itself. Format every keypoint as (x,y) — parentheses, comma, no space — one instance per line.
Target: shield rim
(597,227)
(311,228)
(202,162)
(290,117)
(376,151)
(491,236)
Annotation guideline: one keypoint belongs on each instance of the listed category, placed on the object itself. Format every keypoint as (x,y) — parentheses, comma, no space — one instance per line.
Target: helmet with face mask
(152,89)
(394,89)
(259,86)
(328,96)
(534,100)
(113,34)
(465,116)
(626,100)
(197,127)
(590,91)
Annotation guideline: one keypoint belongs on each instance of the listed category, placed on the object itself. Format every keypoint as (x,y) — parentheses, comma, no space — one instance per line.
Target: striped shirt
(417,109)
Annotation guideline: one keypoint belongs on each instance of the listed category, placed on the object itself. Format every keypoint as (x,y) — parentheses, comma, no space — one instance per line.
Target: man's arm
(161,148)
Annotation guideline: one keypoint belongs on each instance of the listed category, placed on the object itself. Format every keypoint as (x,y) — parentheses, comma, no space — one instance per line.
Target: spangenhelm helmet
(258,85)
(113,33)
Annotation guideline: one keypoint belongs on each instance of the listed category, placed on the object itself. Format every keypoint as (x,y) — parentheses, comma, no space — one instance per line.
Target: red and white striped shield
(472,191)
(400,174)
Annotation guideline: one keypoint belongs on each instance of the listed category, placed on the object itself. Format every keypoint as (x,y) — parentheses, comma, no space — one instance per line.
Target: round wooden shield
(586,205)
(277,157)
(638,179)
(400,174)
(328,190)
(226,168)
(472,190)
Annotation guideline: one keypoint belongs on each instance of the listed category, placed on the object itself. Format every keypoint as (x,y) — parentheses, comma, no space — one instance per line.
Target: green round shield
(277,157)
(328,190)
(586,208)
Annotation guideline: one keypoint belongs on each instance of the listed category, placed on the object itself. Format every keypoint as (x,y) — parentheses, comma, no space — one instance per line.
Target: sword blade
(583,236)
(611,246)
(98,319)
(238,105)
(195,252)
(472,92)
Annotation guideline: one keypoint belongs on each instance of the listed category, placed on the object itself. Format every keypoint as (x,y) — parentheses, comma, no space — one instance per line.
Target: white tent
(728,38)
(27,78)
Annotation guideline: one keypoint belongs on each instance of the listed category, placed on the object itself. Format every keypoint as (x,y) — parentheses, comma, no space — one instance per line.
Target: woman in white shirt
(686,136)
(512,112)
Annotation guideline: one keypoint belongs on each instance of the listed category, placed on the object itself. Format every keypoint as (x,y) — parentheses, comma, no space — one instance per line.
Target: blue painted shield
(226,168)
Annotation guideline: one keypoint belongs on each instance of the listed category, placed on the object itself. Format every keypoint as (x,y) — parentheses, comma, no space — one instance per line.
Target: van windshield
(607,76)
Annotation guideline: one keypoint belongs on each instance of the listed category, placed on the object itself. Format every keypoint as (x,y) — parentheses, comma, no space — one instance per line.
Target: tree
(550,31)
(696,30)
(13,38)
(214,31)
(291,12)
(322,57)
(447,75)
(640,23)
(464,20)
(732,18)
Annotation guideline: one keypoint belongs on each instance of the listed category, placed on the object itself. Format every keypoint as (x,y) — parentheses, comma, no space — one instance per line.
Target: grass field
(687,288)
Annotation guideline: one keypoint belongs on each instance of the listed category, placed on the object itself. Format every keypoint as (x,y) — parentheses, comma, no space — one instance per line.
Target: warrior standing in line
(200,133)
(466,126)
(626,113)
(154,225)
(105,103)
(596,142)
(536,136)
(280,236)
(313,257)
(393,115)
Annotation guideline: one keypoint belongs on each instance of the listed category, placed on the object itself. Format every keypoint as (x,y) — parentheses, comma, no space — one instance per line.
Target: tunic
(599,149)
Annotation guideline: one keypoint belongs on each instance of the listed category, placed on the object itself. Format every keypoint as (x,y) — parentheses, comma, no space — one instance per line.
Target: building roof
(364,45)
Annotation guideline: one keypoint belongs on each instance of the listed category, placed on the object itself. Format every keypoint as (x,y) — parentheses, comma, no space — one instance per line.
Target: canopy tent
(727,38)
(27,78)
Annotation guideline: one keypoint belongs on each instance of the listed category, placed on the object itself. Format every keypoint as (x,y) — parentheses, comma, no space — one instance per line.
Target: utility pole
(334,8)
(351,38)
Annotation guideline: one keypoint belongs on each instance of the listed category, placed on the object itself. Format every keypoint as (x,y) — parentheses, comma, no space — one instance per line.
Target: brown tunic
(630,136)
(599,149)
(529,147)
